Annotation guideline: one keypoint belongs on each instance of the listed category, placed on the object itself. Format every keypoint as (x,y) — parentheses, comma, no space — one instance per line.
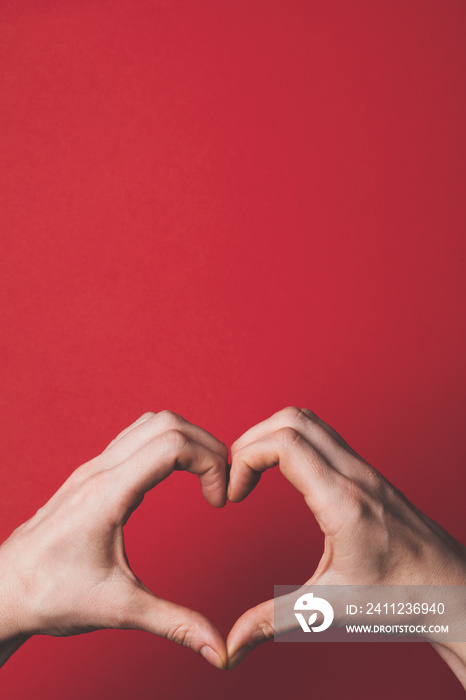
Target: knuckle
(90,492)
(147,415)
(375,481)
(266,628)
(81,473)
(175,439)
(288,436)
(169,419)
(310,414)
(98,484)
(181,633)
(291,414)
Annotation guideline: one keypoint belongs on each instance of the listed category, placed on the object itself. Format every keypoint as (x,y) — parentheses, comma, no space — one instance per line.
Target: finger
(261,624)
(179,624)
(331,431)
(310,427)
(143,431)
(299,462)
(141,419)
(254,627)
(157,459)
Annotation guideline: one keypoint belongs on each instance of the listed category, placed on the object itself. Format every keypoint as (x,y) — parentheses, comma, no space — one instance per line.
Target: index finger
(320,484)
(151,425)
(319,434)
(155,461)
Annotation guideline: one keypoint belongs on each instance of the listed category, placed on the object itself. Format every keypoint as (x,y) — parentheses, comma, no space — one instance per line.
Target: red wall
(223,208)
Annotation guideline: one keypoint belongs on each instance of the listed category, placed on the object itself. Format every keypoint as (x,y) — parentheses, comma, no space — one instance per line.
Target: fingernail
(211,656)
(237,657)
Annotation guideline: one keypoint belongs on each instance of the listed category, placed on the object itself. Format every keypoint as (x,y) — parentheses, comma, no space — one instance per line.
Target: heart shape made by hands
(70,563)
(338,486)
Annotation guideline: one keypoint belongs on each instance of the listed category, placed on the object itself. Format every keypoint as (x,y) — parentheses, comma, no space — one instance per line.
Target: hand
(65,570)
(373,534)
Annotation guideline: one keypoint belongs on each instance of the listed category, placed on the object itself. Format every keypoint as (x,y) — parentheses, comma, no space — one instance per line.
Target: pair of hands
(65,570)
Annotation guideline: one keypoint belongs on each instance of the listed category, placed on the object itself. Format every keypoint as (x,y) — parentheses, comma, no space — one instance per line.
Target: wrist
(13,618)
(13,632)
(11,625)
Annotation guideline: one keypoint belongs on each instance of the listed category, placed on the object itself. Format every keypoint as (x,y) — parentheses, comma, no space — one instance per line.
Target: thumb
(179,624)
(260,624)
(254,627)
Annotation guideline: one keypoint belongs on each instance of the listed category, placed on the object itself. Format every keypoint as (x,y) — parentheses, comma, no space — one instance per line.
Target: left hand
(373,534)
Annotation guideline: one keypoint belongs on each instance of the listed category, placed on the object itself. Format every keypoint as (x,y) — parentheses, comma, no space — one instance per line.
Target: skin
(65,570)
(373,534)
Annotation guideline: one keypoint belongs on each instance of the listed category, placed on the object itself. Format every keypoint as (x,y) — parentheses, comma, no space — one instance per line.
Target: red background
(223,208)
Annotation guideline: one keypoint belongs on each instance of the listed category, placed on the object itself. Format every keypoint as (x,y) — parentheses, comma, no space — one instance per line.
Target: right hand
(65,571)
